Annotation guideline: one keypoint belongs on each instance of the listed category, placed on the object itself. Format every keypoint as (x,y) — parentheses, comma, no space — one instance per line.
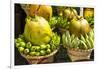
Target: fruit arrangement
(41,36)
(28,48)
(83,42)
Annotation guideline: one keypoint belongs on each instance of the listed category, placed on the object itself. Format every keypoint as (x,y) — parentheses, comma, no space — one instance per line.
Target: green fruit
(21,49)
(22,44)
(37,30)
(69,13)
(26,51)
(28,45)
(33,48)
(43,46)
(48,46)
(32,53)
(37,48)
(37,53)
(17,45)
(48,51)
(79,26)
(19,40)
(42,52)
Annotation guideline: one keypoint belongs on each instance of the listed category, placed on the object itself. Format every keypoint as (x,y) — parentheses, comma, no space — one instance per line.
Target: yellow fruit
(40,10)
(88,12)
(37,30)
(75,27)
(69,13)
(79,26)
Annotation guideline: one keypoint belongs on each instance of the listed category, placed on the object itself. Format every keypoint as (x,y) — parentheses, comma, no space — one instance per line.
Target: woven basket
(40,59)
(78,54)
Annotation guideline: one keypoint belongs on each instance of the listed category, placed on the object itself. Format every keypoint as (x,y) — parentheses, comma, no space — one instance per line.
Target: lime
(43,46)
(22,44)
(42,52)
(26,51)
(19,40)
(48,51)
(48,46)
(33,48)
(21,49)
(37,48)
(28,45)
(37,53)
(32,53)
(17,45)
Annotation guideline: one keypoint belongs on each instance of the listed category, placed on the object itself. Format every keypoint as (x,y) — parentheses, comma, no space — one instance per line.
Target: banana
(84,46)
(91,42)
(82,38)
(72,37)
(88,44)
(86,36)
(64,39)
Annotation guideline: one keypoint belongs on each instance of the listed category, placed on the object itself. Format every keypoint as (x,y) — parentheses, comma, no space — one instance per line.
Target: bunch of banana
(53,22)
(28,48)
(55,41)
(82,42)
(59,21)
(62,22)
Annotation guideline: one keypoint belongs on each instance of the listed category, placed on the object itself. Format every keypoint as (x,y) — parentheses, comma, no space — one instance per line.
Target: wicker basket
(40,59)
(78,54)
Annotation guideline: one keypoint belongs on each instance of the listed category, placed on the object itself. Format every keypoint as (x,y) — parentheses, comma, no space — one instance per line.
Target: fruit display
(28,48)
(52,34)
(83,42)
(80,26)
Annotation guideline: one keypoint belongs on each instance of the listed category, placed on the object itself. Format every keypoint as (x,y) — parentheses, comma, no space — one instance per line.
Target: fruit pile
(41,34)
(83,42)
(28,48)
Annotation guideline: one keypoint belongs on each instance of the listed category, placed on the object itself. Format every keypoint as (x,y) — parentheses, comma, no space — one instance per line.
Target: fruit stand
(53,34)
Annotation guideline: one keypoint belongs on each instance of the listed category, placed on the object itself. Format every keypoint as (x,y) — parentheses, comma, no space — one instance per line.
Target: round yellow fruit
(79,26)
(37,30)
(69,13)
(88,12)
(40,10)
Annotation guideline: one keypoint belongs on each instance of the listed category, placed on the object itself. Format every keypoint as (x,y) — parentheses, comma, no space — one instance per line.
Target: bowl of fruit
(78,48)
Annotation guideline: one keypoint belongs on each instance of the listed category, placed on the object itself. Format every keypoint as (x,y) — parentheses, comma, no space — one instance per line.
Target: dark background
(60,56)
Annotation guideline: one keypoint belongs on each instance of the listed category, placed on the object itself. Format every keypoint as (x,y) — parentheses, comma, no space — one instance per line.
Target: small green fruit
(43,46)
(17,45)
(48,51)
(42,52)
(21,49)
(32,53)
(22,44)
(26,51)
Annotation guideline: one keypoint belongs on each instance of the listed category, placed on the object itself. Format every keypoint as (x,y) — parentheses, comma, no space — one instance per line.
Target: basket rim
(39,57)
(81,50)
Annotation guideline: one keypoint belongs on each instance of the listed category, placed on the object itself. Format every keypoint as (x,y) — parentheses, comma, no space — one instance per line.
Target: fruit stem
(74,13)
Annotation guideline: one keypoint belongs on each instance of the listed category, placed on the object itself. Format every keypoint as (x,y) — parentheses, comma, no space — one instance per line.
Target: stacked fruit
(28,48)
(83,42)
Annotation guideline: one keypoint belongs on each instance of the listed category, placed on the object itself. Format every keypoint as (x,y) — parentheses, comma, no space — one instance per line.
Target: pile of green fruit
(84,42)
(59,22)
(90,20)
(28,48)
